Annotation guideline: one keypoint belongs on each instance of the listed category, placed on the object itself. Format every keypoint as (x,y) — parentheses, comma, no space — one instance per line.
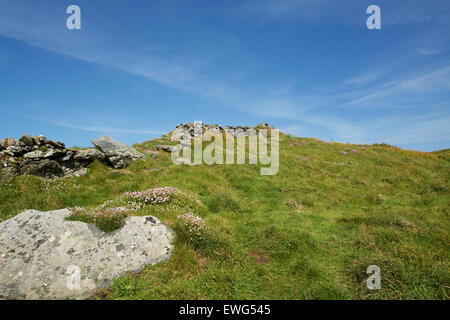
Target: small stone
(55,144)
(166,148)
(54,153)
(34,155)
(78,173)
(27,140)
(41,140)
(15,150)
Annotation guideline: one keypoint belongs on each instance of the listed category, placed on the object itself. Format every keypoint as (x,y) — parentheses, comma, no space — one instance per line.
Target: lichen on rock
(43,256)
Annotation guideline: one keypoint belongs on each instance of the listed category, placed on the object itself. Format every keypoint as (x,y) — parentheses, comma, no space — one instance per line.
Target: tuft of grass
(219,201)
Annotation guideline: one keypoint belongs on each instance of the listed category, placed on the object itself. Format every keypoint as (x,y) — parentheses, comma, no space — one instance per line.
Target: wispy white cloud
(427,52)
(434,81)
(407,97)
(425,82)
(362,79)
(103,129)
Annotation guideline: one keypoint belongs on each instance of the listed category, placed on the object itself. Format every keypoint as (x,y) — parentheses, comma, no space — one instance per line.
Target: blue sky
(136,69)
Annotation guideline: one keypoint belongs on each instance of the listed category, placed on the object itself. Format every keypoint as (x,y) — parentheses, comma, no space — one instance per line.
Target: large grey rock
(42,256)
(118,154)
(89,155)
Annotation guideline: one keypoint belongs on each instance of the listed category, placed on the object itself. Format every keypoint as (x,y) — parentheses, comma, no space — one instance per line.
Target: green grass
(309,232)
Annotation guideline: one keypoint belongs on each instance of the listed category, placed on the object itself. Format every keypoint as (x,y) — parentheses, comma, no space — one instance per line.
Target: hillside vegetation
(309,232)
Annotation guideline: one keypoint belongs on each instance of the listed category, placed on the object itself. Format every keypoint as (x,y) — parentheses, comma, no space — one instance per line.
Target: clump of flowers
(196,226)
(152,196)
(107,219)
(117,214)
(60,185)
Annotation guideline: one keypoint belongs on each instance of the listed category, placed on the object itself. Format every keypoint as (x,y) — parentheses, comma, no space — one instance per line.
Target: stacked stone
(36,155)
(46,158)
(186,131)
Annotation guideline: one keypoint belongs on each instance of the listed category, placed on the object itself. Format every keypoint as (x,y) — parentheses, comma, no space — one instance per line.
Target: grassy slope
(309,232)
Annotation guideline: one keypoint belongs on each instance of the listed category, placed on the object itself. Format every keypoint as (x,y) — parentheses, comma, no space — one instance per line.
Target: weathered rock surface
(45,168)
(89,155)
(118,154)
(43,256)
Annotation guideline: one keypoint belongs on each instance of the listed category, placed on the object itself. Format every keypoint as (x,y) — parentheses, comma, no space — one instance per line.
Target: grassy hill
(309,232)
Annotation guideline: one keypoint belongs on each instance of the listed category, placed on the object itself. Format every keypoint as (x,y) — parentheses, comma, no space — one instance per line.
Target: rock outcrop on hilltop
(36,155)
(43,256)
(186,131)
